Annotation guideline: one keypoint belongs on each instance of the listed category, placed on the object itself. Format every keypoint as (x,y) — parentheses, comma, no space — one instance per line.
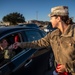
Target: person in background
(62,41)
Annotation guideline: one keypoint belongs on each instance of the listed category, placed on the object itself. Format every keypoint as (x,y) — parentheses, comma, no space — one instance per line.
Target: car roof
(32,25)
(11,29)
(20,26)
(3,29)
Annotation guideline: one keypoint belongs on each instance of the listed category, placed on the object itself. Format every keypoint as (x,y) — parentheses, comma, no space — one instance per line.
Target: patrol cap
(59,10)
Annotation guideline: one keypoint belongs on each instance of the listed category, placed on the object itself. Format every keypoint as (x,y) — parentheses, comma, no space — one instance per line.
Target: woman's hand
(61,68)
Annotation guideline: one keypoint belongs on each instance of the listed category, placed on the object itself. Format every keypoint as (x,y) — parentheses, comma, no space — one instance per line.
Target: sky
(34,9)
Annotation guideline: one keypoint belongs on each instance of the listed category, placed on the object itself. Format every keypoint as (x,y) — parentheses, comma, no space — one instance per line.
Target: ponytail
(66,20)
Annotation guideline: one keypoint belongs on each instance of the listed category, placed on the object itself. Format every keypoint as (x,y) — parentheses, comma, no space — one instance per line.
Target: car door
(36,64)
(13,64)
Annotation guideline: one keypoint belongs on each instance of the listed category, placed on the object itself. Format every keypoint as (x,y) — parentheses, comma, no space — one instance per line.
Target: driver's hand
(16,45)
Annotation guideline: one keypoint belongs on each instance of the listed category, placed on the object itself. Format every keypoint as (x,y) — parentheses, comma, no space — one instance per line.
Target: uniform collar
(56,33)
(68,32)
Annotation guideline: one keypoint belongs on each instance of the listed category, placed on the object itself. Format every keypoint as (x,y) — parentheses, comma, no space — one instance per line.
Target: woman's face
(54,21)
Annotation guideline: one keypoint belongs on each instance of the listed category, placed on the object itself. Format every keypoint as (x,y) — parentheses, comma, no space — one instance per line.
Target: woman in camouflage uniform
(62,40)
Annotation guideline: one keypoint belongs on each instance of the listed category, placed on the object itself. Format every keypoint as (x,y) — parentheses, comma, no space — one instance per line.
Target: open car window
(5,53)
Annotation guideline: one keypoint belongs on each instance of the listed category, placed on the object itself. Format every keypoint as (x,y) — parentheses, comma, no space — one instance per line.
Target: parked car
(49,28)
(32,25)
(32,61)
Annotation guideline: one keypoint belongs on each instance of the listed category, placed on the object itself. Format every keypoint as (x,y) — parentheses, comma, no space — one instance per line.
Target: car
(31,61)
(32,25)
(49,28)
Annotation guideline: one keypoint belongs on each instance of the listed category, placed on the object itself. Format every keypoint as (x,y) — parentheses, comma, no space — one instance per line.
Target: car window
(33,35)
(5,53)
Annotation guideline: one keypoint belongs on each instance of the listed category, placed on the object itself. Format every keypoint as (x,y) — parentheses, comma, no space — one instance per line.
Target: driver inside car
(6,49)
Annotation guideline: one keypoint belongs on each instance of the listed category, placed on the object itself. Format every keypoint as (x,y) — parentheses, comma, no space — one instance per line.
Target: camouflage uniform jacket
(63,46)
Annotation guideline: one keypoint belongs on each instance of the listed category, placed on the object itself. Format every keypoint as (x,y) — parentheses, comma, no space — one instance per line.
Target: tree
(14,18)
